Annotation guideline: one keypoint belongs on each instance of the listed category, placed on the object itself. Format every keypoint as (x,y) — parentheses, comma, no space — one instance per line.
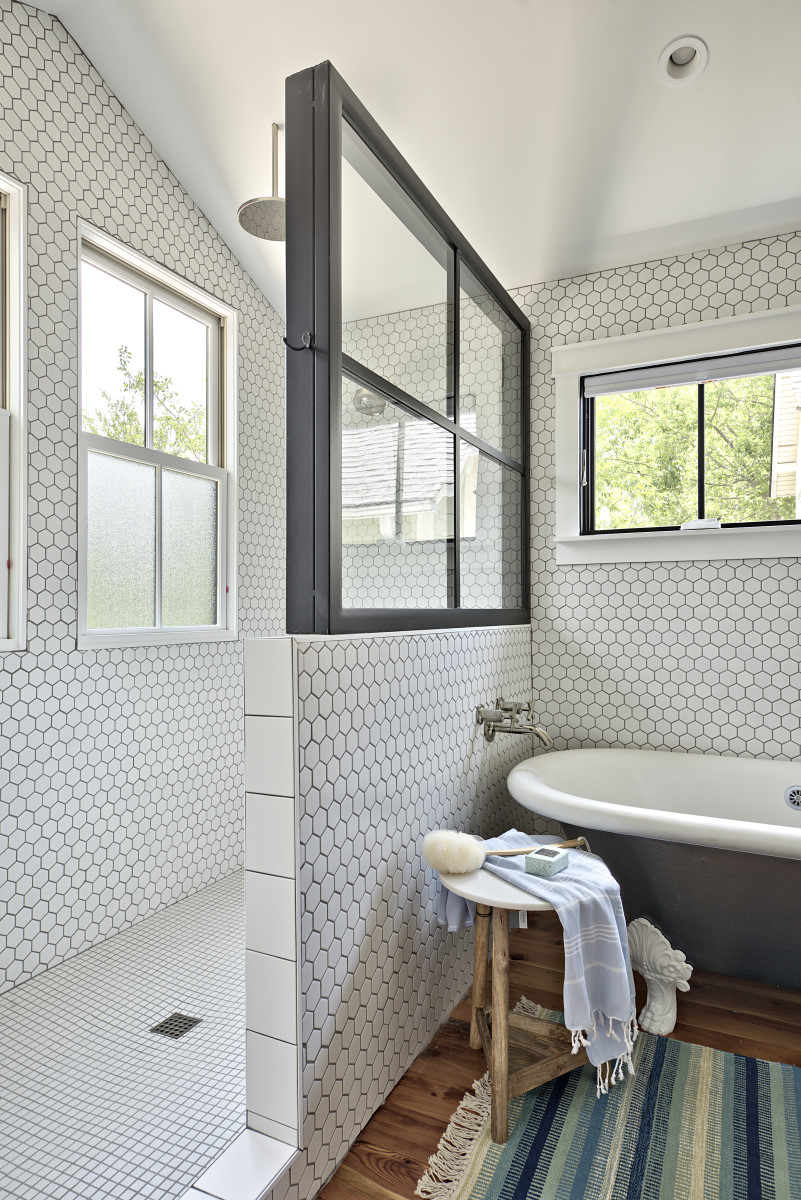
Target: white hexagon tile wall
(388,749)
(702,656)
(641,655)
(121,770)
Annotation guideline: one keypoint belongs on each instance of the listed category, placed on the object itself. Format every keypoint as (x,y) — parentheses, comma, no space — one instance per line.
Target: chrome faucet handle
(504,718)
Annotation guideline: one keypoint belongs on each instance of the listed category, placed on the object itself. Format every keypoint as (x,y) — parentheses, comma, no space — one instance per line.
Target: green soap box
(546,861)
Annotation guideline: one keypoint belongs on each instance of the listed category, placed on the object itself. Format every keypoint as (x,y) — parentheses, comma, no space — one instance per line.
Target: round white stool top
(486,888)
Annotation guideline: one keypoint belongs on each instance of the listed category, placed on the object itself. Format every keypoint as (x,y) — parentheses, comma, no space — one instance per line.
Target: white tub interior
(703,799)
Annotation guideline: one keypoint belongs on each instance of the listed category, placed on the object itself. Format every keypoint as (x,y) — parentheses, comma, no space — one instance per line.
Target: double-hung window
(157,447)
(685,445)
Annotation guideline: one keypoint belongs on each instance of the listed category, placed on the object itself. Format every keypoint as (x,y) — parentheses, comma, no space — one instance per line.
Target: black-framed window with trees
(406,415)
(683,444)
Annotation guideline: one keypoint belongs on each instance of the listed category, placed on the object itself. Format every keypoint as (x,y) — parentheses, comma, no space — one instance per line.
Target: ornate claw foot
(664,970)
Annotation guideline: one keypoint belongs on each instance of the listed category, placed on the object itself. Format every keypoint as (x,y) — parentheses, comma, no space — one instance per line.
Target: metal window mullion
(701,453)
(376,383)
(586,465)
(456,555)
(222,552)
(158,623)
(455,590)
(148,370)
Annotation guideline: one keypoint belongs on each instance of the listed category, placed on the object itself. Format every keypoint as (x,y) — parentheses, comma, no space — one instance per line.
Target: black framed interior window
(675,444)
(407,422)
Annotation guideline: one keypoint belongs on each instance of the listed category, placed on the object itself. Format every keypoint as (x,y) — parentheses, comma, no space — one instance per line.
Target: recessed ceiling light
(683,60)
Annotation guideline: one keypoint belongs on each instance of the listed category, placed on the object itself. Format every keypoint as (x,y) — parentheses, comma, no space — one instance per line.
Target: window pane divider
(158,564)
(701,454)
(454,352)
(148,414)
(376,383)
(143,454)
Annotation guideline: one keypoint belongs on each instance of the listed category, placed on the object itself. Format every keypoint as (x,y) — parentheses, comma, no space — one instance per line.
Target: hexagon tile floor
(93,1106)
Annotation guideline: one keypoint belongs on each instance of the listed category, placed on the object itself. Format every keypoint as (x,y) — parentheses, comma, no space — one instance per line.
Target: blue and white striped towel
(600,1006)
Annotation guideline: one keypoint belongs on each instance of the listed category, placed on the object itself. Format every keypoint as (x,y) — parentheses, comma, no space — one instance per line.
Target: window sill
(112,641)
(705,545)
(11,645)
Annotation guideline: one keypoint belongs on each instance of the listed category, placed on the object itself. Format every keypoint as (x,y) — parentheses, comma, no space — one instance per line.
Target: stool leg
(480,970)
(500,1025)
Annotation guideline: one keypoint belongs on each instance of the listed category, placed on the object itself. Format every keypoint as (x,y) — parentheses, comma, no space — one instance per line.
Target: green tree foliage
(177,428)
(646,455)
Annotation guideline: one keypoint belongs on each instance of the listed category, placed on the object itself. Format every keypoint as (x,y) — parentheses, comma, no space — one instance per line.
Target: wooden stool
(522,1052)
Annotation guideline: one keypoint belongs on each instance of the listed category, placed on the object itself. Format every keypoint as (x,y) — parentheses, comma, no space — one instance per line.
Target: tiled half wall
(386,749)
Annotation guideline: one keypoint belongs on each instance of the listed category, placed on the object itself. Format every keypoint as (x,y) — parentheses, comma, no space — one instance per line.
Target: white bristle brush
(457,853)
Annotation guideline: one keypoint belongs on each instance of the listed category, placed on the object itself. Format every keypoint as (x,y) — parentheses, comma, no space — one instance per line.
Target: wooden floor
(392,1152)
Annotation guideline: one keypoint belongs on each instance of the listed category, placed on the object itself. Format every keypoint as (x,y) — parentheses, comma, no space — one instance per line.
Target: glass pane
(490,533)
(646,458)
(188,550)
(397,505)
(395,312)
(121,544)
(489,369)
(751,445)
(112,356)
(180,384)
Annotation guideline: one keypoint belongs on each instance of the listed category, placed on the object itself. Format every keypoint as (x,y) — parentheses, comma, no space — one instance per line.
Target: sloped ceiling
(543,128)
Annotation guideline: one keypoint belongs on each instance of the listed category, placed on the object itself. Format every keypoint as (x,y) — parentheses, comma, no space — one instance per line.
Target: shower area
(122,994)
(123,1068)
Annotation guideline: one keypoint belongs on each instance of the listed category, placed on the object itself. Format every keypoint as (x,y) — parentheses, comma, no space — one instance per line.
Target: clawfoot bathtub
(706,847)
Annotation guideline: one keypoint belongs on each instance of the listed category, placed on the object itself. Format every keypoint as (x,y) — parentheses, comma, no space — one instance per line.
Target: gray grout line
(94,1105)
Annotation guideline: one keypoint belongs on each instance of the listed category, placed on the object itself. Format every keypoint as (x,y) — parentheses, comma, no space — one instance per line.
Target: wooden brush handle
(574,844)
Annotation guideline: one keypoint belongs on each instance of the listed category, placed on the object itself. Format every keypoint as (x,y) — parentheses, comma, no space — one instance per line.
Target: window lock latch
(584,468)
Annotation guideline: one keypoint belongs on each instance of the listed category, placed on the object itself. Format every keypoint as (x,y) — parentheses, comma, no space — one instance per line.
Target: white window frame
(13,422)
(222,436)
(728,335)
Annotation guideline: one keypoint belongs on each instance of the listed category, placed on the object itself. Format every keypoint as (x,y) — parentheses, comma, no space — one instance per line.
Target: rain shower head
(265,216)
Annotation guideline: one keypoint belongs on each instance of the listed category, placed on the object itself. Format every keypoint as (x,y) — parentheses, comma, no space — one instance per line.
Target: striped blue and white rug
(692,1124)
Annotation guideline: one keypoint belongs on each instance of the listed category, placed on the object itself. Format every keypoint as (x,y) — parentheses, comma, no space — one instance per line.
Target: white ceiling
(542,127)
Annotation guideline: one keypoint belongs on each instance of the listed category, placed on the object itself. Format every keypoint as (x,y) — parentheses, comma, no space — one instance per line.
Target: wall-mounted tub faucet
(506,716)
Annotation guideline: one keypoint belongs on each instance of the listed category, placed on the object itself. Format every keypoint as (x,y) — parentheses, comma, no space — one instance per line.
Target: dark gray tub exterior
(732,913)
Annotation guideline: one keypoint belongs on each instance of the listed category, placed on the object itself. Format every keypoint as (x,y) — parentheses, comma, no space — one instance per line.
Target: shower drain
(793,797)
(176,1025)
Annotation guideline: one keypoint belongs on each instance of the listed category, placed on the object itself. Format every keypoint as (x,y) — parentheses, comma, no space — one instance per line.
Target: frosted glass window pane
(112,356)
(121,544)
(188,550)
(180,383)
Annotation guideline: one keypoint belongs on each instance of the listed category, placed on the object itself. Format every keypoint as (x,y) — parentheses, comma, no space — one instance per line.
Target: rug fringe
(528,1007)
(446,1168)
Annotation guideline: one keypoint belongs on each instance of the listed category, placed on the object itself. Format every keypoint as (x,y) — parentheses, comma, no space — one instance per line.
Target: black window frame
(317,101)
(586,464)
